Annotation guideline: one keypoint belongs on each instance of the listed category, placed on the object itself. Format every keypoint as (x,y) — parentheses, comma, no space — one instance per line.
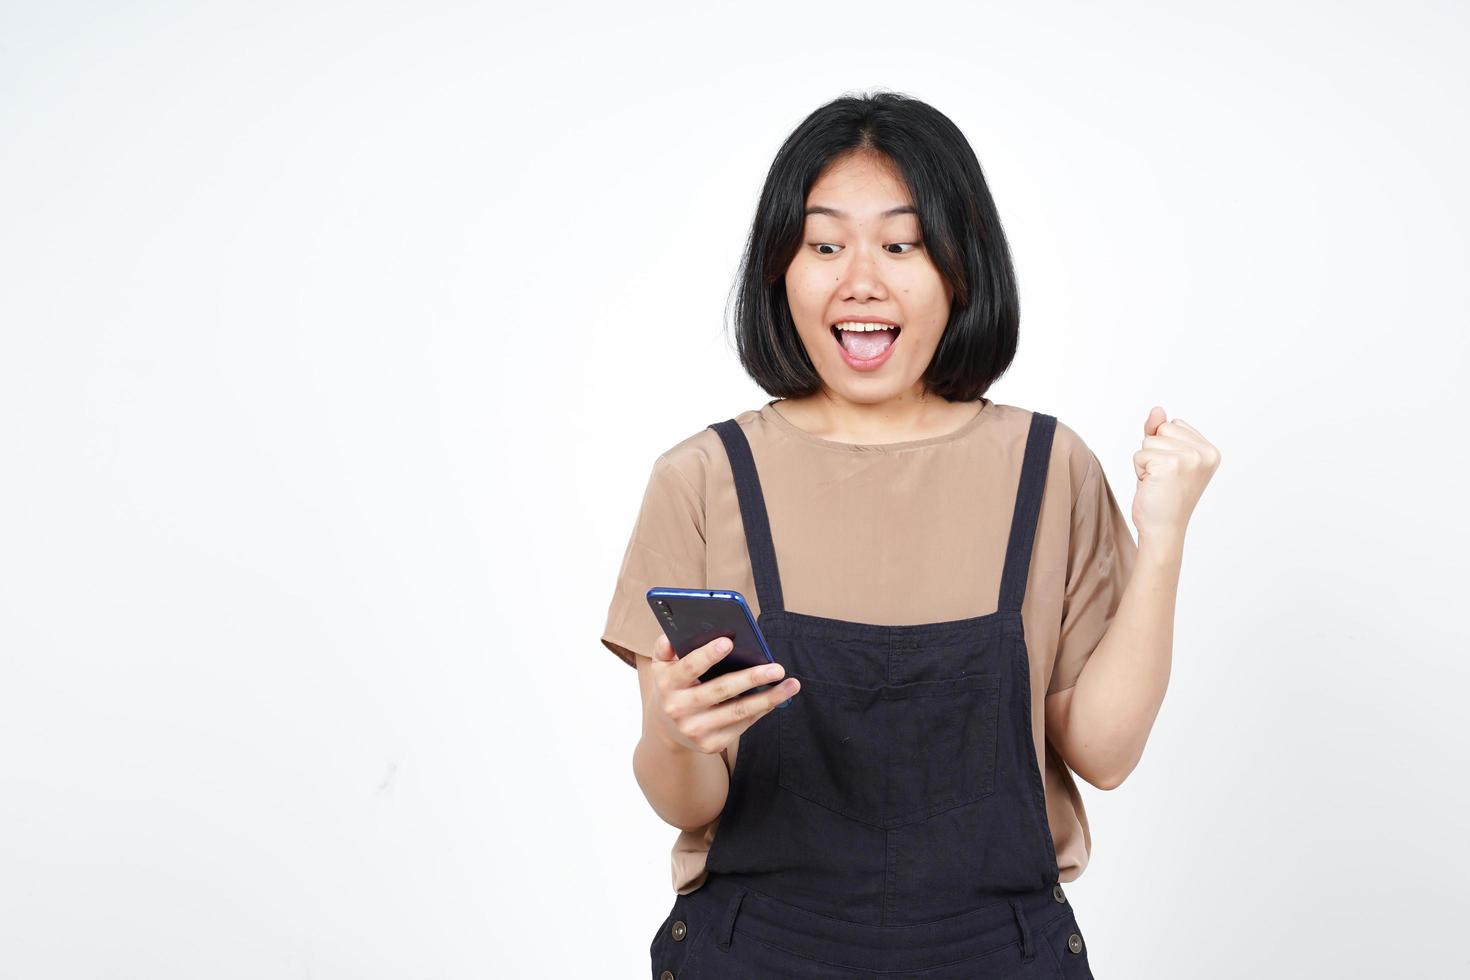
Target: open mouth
(865,341)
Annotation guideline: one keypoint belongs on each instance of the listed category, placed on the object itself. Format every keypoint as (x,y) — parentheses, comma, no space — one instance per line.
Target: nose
(863,277)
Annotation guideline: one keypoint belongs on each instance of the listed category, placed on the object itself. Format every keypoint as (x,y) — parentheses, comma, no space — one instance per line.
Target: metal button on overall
(894,809)
(679,931)
(666,975)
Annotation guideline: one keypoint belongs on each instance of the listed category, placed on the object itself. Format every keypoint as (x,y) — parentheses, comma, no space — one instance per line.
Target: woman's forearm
(1103,721)
(1121,687)
(686,788)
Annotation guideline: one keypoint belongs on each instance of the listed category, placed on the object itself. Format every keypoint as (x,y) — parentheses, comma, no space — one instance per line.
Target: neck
(907,417)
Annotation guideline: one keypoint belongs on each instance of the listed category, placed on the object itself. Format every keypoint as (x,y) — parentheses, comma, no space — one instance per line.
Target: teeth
(863,327)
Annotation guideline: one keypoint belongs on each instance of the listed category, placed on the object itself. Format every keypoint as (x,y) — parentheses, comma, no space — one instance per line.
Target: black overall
(890,820)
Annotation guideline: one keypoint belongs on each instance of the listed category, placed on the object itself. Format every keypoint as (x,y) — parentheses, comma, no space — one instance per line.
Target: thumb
(1156,417)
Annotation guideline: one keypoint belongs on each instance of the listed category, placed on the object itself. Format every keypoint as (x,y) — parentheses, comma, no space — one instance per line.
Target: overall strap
(752,515)
(1028,505)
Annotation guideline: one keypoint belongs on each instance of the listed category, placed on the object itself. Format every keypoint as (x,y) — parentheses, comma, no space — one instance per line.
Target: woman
(949,583)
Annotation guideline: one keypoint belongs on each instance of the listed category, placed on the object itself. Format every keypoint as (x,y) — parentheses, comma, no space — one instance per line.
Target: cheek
(805,281)
(808,292)
(927,296)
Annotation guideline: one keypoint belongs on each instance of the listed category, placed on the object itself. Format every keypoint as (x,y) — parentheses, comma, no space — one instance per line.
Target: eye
(908,245)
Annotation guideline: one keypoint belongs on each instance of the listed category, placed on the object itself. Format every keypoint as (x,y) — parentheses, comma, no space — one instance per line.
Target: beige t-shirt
(894,534)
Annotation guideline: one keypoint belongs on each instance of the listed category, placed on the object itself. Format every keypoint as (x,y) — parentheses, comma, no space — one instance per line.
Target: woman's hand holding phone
(701,717)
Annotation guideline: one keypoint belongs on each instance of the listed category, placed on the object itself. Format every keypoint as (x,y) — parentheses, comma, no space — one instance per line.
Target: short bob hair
(957,217)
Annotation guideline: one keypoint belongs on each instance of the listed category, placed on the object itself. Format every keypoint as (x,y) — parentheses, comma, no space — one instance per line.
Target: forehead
(859,187)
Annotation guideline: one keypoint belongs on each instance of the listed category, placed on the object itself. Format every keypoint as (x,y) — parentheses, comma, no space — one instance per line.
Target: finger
(734,718)
(1157,461)
(1168,442)
(1145,458)
(1207,450)
(698,661)
(663,650)
(737,682)
(1176,429)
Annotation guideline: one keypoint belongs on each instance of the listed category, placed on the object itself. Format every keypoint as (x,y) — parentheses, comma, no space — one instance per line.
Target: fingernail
(726,644)
(773,671)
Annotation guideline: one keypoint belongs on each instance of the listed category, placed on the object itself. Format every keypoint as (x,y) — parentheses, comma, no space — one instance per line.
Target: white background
(339,340)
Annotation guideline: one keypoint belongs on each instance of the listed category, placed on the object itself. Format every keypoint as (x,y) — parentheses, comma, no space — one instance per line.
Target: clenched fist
(1173,468)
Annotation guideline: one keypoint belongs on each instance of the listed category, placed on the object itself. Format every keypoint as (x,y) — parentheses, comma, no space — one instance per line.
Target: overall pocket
(891,755)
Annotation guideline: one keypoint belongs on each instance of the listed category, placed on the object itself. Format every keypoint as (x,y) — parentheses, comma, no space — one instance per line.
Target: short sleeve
(666,550)
(1100,560)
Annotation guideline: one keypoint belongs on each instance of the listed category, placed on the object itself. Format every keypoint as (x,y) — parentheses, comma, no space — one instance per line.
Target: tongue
(866,345)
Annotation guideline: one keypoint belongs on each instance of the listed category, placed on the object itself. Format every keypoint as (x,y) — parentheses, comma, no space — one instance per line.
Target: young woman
(948,584)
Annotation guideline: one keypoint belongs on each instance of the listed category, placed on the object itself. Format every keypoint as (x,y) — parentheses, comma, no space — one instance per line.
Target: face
(863,257)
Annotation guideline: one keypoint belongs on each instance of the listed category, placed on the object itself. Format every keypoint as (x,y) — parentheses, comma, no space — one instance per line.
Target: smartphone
(693,617)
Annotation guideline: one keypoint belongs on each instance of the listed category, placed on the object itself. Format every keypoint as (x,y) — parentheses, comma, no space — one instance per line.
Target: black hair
(957,217)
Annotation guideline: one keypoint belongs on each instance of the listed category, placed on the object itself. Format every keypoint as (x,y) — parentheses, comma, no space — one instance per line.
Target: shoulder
(1072,459)
(698,457)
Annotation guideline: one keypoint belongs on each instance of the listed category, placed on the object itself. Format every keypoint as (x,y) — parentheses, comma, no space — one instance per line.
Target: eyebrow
(840,215)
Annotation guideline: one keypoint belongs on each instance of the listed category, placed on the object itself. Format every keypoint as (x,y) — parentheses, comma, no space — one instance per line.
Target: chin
(869,391)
